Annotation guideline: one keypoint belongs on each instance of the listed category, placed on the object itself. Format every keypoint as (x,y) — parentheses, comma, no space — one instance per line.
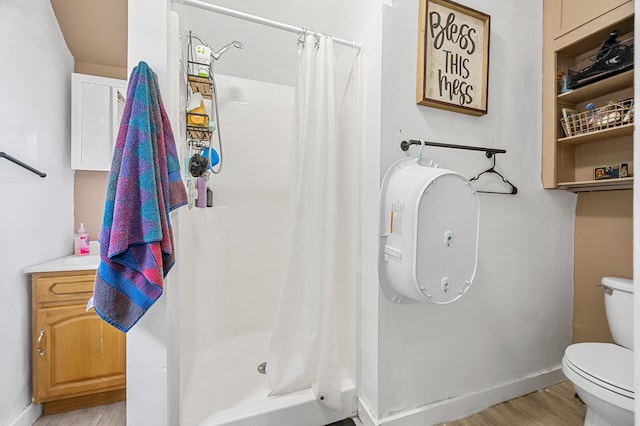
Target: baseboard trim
(464,405)
(84,401)
(29,415)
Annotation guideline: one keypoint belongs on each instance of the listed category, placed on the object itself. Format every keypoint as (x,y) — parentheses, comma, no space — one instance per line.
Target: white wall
(152,368)
(36,218)
(636,233)
(515,320)
(270,54)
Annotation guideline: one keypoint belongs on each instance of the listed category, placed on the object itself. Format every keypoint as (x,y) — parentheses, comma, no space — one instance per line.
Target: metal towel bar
(22,164)
(489,152)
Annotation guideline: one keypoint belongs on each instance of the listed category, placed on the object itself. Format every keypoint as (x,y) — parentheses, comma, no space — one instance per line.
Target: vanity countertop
(69,263)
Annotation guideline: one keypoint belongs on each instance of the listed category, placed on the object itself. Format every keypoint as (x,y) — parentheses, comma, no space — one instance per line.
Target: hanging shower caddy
(200,126)
(199,136)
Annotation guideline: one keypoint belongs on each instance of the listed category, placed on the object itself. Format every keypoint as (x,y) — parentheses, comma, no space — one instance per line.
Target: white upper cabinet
(97,104)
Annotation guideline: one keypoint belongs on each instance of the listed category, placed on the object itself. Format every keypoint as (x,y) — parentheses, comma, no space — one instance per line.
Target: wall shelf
(597,89)
(597,185)
(613,132)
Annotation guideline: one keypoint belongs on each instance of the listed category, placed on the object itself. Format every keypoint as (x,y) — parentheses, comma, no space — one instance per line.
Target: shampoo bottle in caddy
(81,242)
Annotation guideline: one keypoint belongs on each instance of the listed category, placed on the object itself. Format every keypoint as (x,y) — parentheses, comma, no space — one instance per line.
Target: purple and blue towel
(136,241)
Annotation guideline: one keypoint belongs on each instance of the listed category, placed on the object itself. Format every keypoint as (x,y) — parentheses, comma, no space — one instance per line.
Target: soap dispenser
(81,242)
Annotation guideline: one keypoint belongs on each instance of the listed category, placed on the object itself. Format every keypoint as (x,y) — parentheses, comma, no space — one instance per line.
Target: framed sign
(453,57)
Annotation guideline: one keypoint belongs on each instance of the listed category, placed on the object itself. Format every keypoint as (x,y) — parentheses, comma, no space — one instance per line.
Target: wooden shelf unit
(597,185)
(568,162)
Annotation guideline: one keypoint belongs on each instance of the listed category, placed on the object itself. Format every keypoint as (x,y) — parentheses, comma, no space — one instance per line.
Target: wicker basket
(613,114)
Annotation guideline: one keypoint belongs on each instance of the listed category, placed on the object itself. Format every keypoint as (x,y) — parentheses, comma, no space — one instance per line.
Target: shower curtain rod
(259,20)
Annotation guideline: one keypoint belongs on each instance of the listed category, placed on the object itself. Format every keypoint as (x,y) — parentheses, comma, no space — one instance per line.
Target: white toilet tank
(618,304)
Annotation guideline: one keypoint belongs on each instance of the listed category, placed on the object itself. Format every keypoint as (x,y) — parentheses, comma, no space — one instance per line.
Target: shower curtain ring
(301,35)
(317,37)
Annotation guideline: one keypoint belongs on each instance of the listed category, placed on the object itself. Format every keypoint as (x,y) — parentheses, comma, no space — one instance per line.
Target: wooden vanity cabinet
(78,360)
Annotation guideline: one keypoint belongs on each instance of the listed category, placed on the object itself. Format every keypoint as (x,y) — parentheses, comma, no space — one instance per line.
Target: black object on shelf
(22,164)
(614,57)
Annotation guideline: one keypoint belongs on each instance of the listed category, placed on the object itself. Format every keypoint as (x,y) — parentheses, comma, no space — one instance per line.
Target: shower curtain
(304,349)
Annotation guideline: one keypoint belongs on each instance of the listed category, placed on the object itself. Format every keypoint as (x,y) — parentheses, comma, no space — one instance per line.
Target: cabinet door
(95,120)
(571,14)
(75,353)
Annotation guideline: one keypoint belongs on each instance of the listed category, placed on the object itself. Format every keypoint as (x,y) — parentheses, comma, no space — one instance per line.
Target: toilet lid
(605,364)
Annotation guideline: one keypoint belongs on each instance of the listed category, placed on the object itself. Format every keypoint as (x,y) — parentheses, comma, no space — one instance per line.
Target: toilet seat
(603,369)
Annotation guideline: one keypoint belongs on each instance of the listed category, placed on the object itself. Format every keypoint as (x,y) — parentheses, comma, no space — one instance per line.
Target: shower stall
(233,256)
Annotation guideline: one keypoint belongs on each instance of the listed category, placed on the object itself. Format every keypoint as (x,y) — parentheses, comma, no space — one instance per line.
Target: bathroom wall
(91,186)
(506,336)
(636,234)
(603,247)
(36,219)
(96,34)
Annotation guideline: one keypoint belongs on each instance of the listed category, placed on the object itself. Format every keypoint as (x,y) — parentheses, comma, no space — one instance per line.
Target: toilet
(602,373)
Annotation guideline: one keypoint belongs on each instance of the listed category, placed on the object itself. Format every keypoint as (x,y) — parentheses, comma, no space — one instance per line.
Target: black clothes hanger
(492,170)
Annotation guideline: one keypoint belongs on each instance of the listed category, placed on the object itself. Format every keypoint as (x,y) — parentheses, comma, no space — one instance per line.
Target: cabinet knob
(40,344)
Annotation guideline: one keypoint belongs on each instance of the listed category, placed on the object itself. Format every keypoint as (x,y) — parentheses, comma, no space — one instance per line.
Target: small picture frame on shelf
(611,171)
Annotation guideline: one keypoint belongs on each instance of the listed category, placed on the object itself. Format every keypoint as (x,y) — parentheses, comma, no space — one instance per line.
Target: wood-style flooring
(554,406)
(103,415)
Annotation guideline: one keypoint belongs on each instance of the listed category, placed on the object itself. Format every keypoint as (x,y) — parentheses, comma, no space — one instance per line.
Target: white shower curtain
(304,348)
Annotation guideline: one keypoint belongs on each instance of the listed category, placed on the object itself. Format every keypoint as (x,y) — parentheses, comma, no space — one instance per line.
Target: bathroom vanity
(78,360)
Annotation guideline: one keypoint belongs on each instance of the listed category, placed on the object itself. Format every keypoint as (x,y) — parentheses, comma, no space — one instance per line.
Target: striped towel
(136,241)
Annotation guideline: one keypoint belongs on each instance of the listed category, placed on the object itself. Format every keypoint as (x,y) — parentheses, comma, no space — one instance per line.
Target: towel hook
(422,145)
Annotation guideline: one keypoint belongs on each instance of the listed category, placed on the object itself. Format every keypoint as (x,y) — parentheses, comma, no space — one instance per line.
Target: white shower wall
(153,385)
(233,254)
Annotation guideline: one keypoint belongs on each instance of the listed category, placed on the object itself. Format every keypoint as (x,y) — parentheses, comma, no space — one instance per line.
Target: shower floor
(224,387)
(225,375)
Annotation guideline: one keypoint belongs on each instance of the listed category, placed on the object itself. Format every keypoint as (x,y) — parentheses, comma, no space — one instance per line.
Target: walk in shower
(234,256)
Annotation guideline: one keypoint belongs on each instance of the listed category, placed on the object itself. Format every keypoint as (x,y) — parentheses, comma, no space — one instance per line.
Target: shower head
(216,54)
